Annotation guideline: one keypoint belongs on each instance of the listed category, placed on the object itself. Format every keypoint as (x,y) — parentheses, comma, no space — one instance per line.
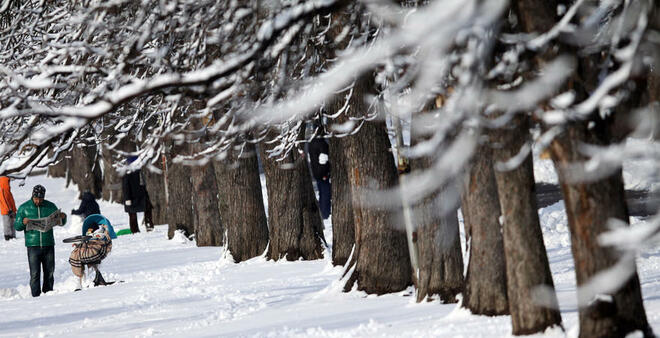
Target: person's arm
(79,210)
(18,223)
(11,202)
(126,190)
(63,216)
(84,205)
(53,208)
(11,205)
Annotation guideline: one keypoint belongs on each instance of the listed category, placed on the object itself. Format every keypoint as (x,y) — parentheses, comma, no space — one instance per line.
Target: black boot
(7,238)
(98,279)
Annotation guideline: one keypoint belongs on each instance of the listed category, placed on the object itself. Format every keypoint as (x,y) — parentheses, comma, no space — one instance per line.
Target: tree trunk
(589,206)
(155,184)
(343,227)
(294,220)
(526,259)
(209,227)
(85,170)
(111,179)
(381,259)
(485,281)
(380,262)
(242,204)
(439,245)
(180,207)
(60,168)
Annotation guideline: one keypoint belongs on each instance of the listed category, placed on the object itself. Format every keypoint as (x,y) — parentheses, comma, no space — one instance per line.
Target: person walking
(136,199)
(40,244)
(7,208)
(320,163)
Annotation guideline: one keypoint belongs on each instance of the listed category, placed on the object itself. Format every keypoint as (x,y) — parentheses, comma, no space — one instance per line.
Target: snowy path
(174,289)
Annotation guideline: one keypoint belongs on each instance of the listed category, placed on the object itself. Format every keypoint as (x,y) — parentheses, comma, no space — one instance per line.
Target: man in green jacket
(40,245)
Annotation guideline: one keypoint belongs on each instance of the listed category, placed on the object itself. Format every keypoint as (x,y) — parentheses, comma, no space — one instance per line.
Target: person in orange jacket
(7,208)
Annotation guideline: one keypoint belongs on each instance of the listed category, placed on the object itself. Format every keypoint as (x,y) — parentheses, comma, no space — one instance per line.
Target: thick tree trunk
(294,220)
(242,204)
(85,170)
(380,262)
(526,259)
(589,206)
(111,179)
(209,227)
(155,184)
(112,182)
(439,245)
(60,168)
(343,228)
(180,208)
(381,259)
(485,281)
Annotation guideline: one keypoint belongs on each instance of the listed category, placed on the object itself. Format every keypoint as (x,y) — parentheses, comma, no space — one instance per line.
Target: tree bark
(155,184)
(380,262)
(439,245)
(381,259)
(485,281)
(60,168)
(180,208)
(343,228)
(111,180)
(589,206)
(209,227)
(526,259)
(85,170)
(242,204)
(294,220)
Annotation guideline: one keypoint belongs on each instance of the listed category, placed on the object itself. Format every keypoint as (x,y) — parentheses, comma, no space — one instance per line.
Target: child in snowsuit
(92,251)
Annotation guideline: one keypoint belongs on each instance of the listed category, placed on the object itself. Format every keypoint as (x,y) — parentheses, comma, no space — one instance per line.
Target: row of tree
(204,91)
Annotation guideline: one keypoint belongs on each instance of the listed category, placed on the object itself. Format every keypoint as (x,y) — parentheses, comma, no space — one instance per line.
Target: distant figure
(7,208)
(40,245)
(320,163)
(92,251)
(88,206)
(136,199)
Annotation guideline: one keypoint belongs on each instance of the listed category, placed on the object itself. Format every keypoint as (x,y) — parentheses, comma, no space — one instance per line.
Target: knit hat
(38,191)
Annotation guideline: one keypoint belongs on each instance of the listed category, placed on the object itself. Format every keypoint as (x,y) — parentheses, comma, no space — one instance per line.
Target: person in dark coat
(320,163)
(136,199)
(88,206)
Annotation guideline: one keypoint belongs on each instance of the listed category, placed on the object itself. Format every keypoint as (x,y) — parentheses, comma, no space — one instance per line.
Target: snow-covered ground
(173,288)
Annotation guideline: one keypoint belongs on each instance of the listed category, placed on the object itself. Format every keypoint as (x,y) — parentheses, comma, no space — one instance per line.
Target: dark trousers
(148,222)
(132,222)
(324,197)
(41,257)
